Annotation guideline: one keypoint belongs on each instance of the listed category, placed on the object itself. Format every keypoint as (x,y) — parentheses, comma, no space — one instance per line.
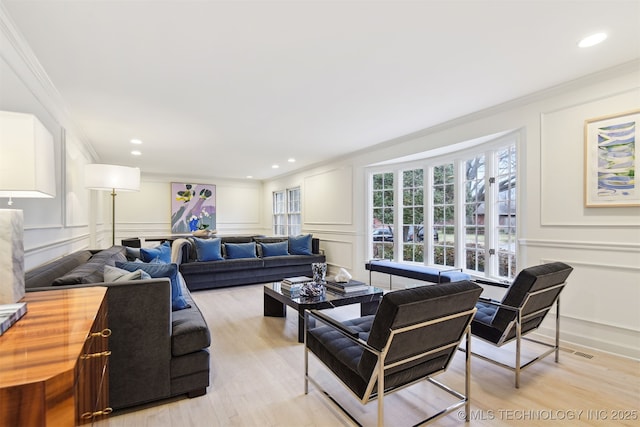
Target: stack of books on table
(352,286)
(292,285)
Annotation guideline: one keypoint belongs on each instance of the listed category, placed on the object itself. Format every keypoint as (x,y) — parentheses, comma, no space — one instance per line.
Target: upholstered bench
(417,272)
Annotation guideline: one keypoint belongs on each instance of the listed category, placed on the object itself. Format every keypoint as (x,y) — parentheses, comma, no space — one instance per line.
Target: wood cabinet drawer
(54,360)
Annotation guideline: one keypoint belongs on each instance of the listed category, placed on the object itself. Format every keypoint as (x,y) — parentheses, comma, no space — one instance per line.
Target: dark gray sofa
(156,352)
(244,271)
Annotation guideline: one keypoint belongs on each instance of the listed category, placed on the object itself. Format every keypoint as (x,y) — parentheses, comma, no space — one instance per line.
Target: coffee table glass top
(328,295)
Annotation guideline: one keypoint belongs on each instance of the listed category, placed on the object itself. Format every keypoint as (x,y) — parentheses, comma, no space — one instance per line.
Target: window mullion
(459,197)
(397,209)
(428,215)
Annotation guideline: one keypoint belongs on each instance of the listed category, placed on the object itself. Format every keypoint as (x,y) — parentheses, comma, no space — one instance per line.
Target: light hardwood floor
(257,380)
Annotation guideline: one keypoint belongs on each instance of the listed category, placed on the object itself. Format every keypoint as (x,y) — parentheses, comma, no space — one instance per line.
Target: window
(506,208)
(383,214)
(279,214)
(474,208)
(287,215)
(465,203)
(413,215)
(443,215)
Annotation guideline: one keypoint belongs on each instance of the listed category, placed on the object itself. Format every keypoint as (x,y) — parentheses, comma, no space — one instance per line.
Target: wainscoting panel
(562,164)
(328,197)
(339,253)
(599,305)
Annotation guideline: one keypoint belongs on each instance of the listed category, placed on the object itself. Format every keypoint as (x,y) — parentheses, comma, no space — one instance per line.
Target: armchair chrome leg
(467,376)
(518,346)
(306,355)
(557,329)
(381,394)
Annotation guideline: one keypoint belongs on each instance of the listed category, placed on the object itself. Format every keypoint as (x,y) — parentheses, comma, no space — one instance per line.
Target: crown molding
(20,58)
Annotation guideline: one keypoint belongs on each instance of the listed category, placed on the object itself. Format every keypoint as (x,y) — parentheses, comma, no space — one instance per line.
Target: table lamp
(27,169)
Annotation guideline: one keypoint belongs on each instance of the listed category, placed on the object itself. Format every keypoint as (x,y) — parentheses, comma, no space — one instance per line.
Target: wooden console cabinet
(54,361)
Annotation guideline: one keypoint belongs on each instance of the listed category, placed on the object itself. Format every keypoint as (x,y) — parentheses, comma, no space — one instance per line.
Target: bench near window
(417,272)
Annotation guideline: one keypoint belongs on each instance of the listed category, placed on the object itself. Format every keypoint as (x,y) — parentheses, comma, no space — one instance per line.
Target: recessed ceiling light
(249,176)
(592,40)
(136,141)
(136,152)
(275,166)
(291,160)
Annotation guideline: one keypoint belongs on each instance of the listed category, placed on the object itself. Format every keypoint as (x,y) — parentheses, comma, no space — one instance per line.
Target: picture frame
(193,207)
(611,160)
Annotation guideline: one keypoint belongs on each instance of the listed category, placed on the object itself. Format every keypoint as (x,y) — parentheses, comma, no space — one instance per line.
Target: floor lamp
(27,169)
(112,178)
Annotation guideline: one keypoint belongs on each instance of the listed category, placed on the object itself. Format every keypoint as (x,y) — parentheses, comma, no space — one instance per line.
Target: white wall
(53,227)
(600,304)
(147,213)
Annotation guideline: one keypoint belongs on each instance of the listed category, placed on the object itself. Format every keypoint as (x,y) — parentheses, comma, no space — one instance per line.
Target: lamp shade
(111,177)
(27,164)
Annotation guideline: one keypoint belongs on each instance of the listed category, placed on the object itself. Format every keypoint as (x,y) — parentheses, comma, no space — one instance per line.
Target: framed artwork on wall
(193,207)
(611,160)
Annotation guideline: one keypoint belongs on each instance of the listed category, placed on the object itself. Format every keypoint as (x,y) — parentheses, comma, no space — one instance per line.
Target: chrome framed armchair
(412,337)
(523,308)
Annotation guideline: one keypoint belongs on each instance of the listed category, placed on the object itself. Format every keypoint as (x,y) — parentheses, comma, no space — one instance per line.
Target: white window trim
(427,163)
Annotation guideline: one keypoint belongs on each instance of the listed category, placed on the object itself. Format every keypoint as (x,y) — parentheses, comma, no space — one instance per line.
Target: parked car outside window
(383,234)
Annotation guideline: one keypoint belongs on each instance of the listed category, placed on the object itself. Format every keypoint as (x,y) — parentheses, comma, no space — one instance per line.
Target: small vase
(319,270)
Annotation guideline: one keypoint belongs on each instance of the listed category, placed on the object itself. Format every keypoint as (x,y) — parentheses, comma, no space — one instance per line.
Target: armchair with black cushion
(523,308)
(412,337)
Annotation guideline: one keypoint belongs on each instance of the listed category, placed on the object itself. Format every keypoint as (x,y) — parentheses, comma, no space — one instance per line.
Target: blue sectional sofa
(156,352)
(265,259)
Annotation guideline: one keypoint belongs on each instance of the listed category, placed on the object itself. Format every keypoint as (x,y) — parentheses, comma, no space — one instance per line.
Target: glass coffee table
(276,302)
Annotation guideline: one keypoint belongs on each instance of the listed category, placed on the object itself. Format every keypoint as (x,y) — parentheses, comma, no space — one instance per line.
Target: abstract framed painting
(611,160)
(193,207)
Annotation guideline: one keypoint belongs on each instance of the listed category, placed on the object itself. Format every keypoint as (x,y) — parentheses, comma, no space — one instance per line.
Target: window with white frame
(465,202)
(382,215)
(443,208)
(287,215)
(413,215)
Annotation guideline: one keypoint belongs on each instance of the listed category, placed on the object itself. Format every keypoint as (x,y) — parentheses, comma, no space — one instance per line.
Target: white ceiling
(228,88)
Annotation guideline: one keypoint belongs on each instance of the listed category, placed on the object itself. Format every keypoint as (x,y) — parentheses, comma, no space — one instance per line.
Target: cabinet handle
(89,415)
(106,332)
(94,355)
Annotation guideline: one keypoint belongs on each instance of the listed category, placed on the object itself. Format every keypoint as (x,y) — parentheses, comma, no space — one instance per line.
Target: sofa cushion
(93,270)
(132,254)
(115,274)
(47,273)
(160,253)
(274,249)
(222,266)
(208,249)
(240,250)
(161,270)
(189,332)
(300,245)
(291,260)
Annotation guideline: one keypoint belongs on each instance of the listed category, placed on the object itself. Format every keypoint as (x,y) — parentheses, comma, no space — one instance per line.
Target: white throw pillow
(115,274)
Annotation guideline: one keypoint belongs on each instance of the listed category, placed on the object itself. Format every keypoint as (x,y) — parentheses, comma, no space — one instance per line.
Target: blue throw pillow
(240,250)
(160,253)
(275,249)
(161,270)
(300,245)
(208,249)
